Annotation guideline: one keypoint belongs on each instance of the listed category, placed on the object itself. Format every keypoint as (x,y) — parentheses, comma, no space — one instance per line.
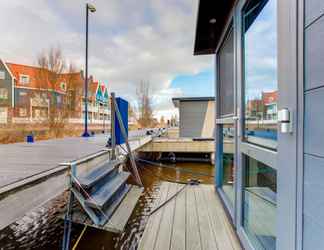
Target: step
(117,214)
(91,178)
(109,211)
(101,197)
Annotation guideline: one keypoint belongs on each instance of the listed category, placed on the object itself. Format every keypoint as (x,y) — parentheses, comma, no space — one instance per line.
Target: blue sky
(200,84)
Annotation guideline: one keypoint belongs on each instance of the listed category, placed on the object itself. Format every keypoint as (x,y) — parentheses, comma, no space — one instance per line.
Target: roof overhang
(176,101)
(211,20)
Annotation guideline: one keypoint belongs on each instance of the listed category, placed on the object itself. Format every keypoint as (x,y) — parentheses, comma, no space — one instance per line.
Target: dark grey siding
(313,216)
(6,83)
(192,117)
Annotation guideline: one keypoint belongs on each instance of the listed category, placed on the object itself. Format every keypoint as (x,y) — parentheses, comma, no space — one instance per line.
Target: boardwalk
(195,219)
(32,174)
(21,160)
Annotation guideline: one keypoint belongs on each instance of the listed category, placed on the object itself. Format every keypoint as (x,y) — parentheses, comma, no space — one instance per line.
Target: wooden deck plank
(193,240)
(178,239)
(198,222)
(208,239)
(165,231)
(151,230)
(225,235)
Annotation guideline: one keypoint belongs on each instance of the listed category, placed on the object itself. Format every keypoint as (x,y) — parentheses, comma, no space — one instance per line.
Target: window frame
(21,76)
(3,75)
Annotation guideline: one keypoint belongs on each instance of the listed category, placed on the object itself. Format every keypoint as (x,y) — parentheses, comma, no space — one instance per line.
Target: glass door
(257,145)
(226,123)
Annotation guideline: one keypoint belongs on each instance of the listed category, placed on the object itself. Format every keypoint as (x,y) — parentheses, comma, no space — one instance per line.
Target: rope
(79,238)
(164,179)
(166,166)
(191,182)
(175,168)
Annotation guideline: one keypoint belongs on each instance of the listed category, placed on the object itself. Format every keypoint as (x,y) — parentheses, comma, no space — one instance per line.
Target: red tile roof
(269,97)
(36,77)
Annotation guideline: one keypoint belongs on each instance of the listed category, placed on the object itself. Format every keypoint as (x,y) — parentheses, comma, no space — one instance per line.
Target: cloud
(129,41)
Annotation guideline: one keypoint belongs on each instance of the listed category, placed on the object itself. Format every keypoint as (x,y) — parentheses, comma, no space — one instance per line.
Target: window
(3,94)
(259,210)
(228,169)
(260,72)
(2,75)
(22,98)
(24,79)
(59,99)
(22,112)
(226,76)
(63,86)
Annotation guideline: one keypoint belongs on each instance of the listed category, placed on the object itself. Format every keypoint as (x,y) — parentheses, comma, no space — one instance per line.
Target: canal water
(43,228)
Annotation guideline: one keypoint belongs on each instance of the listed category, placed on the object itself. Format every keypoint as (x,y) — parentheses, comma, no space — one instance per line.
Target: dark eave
(208,32)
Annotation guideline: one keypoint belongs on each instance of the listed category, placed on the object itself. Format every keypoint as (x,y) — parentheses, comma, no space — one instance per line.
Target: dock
(181,145)
(194,219)
(32,174)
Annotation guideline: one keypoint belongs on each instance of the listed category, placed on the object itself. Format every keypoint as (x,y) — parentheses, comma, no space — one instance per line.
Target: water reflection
(260,68)
(43,228)
(228,162)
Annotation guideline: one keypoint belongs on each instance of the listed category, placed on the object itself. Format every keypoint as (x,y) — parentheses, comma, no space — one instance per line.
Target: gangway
(104,197)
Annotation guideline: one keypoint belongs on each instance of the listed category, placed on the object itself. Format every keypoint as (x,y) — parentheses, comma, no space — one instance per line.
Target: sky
(129,41)
(261,53)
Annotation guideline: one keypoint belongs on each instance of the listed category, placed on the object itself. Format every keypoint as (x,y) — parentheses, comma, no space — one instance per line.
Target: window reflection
(260,204)
(228,161)
(260,68)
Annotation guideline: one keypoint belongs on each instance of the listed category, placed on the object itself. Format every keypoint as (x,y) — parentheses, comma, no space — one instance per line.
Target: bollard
(30,138)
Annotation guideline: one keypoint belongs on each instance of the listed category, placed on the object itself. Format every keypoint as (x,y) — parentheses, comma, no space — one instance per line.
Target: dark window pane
(226,76)
(228,162)
(259,217)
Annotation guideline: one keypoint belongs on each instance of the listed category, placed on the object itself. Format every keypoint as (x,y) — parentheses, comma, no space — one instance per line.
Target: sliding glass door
(258,124)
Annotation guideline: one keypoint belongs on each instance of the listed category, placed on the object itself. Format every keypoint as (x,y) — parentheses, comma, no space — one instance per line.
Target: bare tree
(144,105)
(61,85)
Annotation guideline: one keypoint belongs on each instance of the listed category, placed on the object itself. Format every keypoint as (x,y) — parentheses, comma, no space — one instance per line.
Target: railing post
(112,128)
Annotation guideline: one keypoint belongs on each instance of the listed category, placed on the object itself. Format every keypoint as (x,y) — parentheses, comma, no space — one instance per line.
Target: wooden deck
(194,219)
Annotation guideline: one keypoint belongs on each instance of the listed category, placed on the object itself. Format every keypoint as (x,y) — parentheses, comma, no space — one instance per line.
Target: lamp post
(90,8)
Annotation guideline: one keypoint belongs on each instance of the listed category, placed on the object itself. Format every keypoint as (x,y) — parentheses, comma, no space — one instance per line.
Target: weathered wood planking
(208,238)
(195,219)
(178,240)
(192,229)
(163,241)
(153,224)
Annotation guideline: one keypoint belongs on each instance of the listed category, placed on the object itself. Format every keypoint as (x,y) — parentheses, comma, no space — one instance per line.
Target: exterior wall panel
(194,116)
(313,214)
(314,55)
(313,9)
(313,235)
(314,120)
